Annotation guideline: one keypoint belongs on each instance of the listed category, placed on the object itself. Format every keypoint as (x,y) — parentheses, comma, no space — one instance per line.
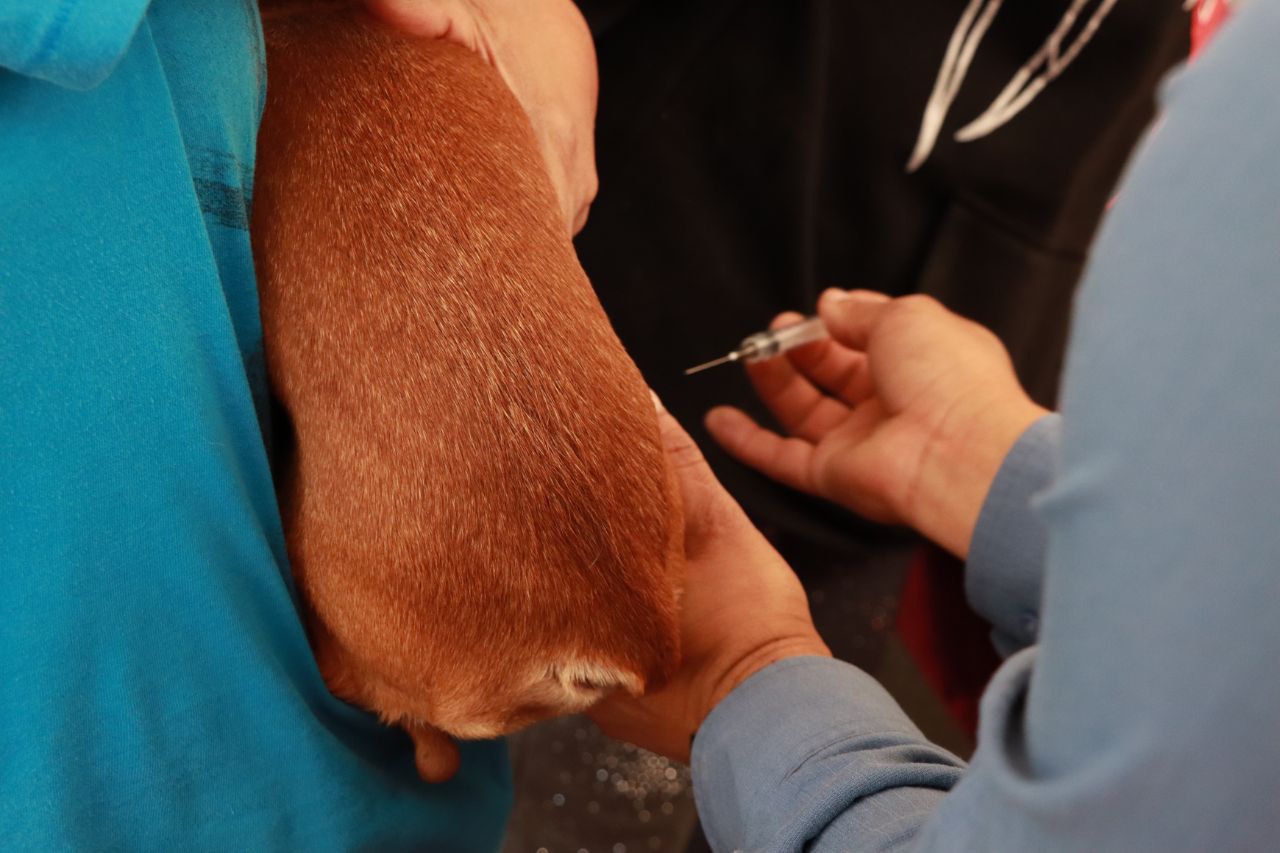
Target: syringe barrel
(764,345)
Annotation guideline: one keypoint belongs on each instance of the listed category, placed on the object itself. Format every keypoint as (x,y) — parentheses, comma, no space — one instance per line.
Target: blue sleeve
(1145,719)
(812,742)
(1005,570)
(74,43)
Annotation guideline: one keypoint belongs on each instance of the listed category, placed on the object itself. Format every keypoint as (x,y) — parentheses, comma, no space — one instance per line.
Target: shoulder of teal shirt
(156,686)
(74,43)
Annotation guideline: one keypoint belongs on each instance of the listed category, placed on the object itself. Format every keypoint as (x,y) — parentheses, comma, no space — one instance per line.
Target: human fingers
(787,460)
(706,506)
(830,366)
(544,53)
(560,99)
(801,409)
(568,150)
(589,186)
(834,368)
(442,19)
(851,316)
(679,447)
(581,154)
(663,721)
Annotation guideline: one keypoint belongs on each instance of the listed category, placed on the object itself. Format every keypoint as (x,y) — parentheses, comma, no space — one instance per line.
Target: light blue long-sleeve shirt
(1139,591)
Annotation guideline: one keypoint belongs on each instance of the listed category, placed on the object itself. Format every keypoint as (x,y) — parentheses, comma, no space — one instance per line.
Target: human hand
(743,609)
(543,50)
(904,415)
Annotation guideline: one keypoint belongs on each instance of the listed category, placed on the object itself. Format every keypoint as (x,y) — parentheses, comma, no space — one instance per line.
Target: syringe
(769,343)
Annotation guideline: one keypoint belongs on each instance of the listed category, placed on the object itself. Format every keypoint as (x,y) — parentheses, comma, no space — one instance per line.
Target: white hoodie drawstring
(1030,80)
(1024,87)
(955,65)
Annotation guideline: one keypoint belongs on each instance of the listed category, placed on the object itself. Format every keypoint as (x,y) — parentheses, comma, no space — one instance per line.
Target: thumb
(707,506)
(851,316)
(686,459)
(433,21)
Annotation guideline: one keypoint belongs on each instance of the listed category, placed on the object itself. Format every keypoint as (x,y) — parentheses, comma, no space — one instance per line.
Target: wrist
(961,463)
(748,663)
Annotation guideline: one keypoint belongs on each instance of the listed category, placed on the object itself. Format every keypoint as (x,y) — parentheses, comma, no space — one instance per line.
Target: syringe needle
(733,356)
(767,344)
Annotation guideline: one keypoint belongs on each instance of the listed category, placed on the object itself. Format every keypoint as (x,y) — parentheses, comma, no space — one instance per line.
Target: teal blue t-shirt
(156,687)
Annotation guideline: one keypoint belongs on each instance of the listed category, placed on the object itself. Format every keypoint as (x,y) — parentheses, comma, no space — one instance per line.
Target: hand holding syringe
(882,411)
(769,343)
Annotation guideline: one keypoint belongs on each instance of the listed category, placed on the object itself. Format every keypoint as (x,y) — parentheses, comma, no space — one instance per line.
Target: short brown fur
(477,506)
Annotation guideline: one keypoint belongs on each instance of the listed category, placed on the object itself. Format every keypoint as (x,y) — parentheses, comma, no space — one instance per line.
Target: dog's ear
(434,752)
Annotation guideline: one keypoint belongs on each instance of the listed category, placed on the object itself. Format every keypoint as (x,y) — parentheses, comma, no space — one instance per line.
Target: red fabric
(1205,21)
(948,642)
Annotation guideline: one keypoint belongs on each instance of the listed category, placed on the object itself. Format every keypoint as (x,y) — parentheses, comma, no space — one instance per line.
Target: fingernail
(657,403)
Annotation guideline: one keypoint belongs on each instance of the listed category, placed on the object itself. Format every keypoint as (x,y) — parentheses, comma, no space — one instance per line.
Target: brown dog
(478,509)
